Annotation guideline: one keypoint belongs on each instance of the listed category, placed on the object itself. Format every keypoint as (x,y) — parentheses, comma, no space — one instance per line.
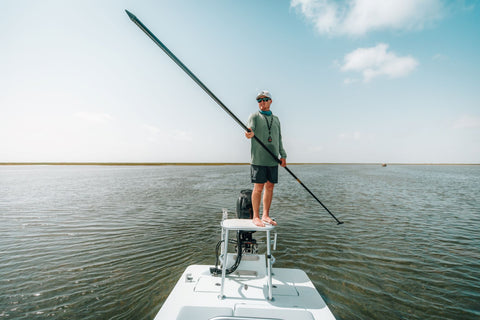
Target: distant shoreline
(209,164)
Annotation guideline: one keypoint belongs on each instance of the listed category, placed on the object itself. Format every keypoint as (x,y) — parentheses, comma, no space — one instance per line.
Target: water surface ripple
(110,242)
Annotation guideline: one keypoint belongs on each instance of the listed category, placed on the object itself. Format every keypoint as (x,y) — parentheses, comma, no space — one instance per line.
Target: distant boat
(384,164)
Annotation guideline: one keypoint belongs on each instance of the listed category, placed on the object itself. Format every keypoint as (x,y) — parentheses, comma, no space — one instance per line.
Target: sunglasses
(263,99)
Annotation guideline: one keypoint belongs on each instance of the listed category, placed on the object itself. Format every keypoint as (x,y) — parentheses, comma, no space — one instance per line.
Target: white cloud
(315,149)
(350,81)
(377,61)
(440,57)
(180,135)
(152,129)
(358,17)
(355,136)
(94,117)
(323,13)
(155,134)
(467,121)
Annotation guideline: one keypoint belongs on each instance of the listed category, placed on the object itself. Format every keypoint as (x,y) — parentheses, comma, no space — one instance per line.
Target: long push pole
(220,103)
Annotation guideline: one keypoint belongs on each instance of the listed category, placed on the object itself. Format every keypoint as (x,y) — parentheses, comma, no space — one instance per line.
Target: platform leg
(224,265)
(269,267)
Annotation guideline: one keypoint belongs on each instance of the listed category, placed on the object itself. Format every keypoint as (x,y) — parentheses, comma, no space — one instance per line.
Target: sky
(354,81)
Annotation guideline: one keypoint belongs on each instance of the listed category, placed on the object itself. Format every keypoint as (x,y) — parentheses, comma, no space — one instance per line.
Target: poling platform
(254,290)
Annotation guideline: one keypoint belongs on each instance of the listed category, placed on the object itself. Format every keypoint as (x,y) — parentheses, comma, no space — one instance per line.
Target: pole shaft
(184,68)
(217,100)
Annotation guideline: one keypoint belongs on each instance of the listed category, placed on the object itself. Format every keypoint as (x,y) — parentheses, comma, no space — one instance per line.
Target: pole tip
(130,15)
(340,222)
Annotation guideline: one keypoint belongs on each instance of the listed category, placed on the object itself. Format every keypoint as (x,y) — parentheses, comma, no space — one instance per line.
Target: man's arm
(283,154)
(251,124)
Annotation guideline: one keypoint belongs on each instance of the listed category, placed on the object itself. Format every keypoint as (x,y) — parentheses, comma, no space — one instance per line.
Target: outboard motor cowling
(245,242)
(245,211)
(244,205)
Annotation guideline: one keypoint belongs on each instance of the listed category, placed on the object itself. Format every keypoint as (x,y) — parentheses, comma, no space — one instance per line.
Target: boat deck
(254,290)
(294,296)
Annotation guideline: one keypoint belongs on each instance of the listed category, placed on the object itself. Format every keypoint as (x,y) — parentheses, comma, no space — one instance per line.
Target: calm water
(96,242)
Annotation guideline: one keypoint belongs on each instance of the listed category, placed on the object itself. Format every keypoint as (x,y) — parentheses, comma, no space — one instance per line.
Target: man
(264,168)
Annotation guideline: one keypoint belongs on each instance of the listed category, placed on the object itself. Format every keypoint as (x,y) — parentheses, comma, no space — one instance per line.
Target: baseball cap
(264,93)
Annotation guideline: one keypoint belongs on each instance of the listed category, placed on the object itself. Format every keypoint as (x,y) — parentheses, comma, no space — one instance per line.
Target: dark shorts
(262,174)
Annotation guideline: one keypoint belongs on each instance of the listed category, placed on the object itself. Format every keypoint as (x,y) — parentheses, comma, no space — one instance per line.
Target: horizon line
(217,163)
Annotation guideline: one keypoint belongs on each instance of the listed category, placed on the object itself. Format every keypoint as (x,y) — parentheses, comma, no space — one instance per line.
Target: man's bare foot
(258,222)
(269,221)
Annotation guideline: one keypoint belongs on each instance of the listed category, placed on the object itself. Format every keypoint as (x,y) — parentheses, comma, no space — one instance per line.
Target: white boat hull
(197,295)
